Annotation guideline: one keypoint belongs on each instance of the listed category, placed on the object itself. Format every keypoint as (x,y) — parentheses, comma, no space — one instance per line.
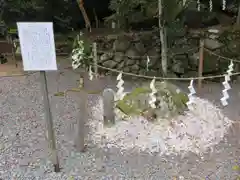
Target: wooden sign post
(38,54)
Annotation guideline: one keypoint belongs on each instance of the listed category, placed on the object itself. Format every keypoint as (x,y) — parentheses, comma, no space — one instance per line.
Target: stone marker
(108,106)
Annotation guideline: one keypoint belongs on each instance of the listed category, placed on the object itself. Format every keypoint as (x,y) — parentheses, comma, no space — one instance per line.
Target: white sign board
(37,46)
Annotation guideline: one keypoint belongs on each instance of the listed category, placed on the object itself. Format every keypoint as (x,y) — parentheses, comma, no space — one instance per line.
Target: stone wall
(129,53)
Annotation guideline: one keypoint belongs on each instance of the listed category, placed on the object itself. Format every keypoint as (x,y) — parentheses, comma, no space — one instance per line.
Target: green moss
(136,92)
(128,109)
(134,104)
(180,101)
(127,106)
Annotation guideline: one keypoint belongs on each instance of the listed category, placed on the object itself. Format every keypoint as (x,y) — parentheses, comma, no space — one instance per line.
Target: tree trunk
(163,38)
(85,16)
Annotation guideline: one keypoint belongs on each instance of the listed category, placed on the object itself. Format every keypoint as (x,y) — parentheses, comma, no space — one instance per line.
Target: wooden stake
(80,144)
(200,63)
(95,59)
(49,121)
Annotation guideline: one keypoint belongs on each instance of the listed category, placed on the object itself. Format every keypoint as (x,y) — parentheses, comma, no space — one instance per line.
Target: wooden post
(238,24)
(200,63)
(14,52)
(48,116)
(163,39)
(95,17)
(113,25)
(95,59)
(108,106)
(118,21)
(81,81)
(80,144)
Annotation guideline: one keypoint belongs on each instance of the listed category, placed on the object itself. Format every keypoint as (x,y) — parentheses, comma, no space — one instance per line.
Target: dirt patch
(10,69)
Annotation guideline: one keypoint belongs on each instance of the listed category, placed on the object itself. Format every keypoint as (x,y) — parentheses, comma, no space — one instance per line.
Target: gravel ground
(23,144)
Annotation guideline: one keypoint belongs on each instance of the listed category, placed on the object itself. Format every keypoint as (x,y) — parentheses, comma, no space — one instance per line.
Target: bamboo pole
(200,63)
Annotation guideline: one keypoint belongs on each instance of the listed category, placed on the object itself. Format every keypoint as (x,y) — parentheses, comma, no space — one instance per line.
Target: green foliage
(86,43)
(82,52)
(36,10)
(20,6)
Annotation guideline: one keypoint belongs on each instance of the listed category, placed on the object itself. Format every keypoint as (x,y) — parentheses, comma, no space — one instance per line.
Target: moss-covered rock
(170,101)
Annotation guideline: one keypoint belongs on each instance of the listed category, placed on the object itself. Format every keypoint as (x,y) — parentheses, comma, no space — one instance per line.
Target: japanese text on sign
(37,46)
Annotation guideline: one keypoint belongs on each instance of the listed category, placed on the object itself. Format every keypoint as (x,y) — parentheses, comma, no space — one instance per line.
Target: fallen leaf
(75,89)
(59,94)
(236,168)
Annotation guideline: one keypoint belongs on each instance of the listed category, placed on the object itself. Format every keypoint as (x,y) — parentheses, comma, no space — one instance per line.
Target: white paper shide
(37,46)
